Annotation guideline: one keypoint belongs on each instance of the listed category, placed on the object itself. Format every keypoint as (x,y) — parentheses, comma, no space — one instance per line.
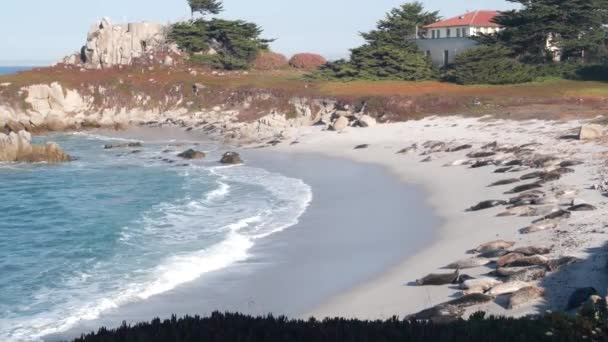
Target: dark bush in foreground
(235,327)
(489,65)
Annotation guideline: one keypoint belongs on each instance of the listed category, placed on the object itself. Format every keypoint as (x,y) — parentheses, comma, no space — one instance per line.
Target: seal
(494,245)
(459,148)
(532,250)
(529,274)
(439,279)
(507,288)
(479,285)
(503,169)
(468,263)
(570,163)
(409,149)
(532,175)
(439,314)
(504,182)
(482,163)
(517,211)
(486,205)
(470,300)
(557,215)
(494,254)
(557,264)
(582,207)
(508,259)
(534,260)
(525,296)
(540,226)
(482,154)
(523,188)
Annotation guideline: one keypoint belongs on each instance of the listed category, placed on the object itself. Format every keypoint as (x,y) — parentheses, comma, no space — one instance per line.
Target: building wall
(437,48)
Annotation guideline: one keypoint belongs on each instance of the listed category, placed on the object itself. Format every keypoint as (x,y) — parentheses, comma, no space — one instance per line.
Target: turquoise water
(122,225)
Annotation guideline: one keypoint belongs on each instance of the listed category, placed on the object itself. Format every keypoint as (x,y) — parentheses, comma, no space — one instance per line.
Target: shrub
(489,65)
(267,60)
(308,61)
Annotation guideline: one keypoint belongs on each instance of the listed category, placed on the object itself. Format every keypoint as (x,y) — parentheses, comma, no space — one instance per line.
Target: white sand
(453,189)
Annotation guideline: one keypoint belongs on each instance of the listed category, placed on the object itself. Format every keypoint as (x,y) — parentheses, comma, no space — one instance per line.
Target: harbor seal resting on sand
(486,205)
(439,314)
(468,263)
(557,215)
(516,211)
(525,296)
(523,188)
(506,288)
(410,149)
(508,259)
(477,155)
(479,285)
(582,207)
(504,182)
(494,254)
(439,279)
(470,300)
(459,148)
(557,264)
(532,250)
(534,260)
(540,226)
(528,274)
(570,163)
(494,245)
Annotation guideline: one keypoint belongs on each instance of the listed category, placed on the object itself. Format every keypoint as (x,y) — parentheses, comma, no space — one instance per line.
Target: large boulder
(192,154)
(17,147)
(231,158)
(591,132)
(340,124)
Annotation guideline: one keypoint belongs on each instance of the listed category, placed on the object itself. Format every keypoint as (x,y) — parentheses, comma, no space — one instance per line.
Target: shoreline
(453,189)
(281,265)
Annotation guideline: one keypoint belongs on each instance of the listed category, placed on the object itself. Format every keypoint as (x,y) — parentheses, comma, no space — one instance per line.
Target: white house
(444,40)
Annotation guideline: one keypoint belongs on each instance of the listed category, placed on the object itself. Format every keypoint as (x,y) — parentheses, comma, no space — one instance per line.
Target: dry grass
(389,100)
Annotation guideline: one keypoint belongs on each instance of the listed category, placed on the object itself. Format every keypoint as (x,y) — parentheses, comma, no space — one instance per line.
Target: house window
(448,33)
(446,57)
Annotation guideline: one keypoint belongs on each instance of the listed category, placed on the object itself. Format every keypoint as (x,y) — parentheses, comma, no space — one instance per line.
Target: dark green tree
(205,7)
(389,51)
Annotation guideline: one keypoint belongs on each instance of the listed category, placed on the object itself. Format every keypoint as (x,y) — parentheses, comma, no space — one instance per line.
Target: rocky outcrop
(591,132)
(110,45)
(231,158)
(192,154)
(17,147)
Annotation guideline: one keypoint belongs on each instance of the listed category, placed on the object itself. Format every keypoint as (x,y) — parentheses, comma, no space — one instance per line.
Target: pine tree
(205,7)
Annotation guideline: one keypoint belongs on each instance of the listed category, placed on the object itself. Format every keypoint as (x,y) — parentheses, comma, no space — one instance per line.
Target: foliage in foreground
(489,65)
(237,327)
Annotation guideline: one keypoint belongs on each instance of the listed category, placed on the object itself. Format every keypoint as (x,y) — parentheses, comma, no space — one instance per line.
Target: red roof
(475,18)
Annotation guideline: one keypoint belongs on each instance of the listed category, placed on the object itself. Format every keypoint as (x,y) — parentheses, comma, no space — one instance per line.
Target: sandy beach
(452,189)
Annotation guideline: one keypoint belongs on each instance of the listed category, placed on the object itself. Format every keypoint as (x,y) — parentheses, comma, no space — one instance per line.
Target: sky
(39,32)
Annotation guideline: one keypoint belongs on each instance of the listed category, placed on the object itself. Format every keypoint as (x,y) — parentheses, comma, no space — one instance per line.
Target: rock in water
(192,154)
(591,132)
(438,279)
(16,147)
(231,158)
(580,296)
(525,296)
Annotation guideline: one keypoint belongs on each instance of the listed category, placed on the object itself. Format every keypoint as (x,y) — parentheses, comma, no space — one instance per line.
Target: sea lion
(483,154)
(525,296)
(459,148)
(470,300)
(570,163)
(482,284)
(532,250)
(504,182)
(486,205)
(582,207)
(556,215)
(540,226)
(509,258)
(529,274)
(506,288)
(503,169)
(580,296)
(557,264)
(438,279)
(439,314)
(523,188)
(494,245)
(468,263)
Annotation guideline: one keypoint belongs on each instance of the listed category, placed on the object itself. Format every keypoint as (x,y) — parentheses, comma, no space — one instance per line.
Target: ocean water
(7,70)
(122,225)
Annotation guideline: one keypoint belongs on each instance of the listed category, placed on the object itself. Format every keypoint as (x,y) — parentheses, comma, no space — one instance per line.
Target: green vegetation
(236,327)
(218,43)
(387,53)
(489,65)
